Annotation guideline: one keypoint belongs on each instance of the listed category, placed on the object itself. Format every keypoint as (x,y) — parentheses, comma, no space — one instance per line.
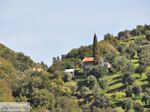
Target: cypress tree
(96,51)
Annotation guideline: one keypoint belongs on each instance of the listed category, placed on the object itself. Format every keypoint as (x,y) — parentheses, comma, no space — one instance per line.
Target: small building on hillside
(87,64)
(71,71)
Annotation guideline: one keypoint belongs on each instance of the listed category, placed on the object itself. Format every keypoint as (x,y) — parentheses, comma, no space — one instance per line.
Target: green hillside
(12,67)
(128,82)
(124,87)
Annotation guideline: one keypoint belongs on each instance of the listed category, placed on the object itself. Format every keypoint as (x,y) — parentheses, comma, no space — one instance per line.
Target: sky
(43,29)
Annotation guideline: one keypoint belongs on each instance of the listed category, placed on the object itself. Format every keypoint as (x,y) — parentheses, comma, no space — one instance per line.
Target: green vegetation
(96,51)
(124,87)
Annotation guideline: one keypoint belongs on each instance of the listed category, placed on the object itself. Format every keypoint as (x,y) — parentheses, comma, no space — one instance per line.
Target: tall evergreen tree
(96,50)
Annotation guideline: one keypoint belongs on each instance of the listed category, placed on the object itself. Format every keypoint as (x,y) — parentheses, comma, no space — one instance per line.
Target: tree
(141,28)
(145,60)
(136,32)
(146,99)
(101,101)
(128,91)
(66,104)
(108,36)
(44,66)
(127,79)
(84,91)
(90,81)
(140,69)
(42,98)
(148,77)
(121,35)
(138,107)
(54,60)
(96,51)
(98,71)
(103,83)
(131,52)
(137,90)
(129,68)
(144,56)
(68,77)
(109,109)
(124,35)
(148,36)
(119,63)
(121,48)
(127,105)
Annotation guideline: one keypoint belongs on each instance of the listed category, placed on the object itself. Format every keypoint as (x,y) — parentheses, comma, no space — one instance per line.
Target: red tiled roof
(88,59)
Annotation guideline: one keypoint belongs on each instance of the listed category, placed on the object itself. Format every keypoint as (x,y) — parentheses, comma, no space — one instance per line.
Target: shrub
(146,99)
(138,107)
(68,77)
(90,81)
(127,79)
(103,83)
(137,90)
(66,104)
(129,91)
(98,71)
(148,77)
(140,69)
(127,105)
(148,36)
(84,91)
(101,101)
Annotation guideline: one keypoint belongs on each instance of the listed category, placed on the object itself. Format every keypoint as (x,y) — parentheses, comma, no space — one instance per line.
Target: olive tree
(127,105)
(140,69)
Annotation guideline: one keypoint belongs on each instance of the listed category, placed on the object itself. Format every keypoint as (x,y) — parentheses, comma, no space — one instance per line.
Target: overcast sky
(43,29)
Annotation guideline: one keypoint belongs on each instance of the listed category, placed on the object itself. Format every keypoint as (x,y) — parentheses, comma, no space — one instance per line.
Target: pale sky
(43,29)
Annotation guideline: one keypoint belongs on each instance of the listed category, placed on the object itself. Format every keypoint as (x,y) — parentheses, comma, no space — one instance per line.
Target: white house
(69,71)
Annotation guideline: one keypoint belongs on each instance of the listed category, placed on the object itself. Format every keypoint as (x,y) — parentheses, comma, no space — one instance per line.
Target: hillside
(12,66)
(23,80)
(127,83)
(124,87)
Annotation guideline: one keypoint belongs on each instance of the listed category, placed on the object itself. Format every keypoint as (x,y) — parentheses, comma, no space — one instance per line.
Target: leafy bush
(68,77)
(138,107)
(148,36)
(98,71)
(103,83)
(127,105)
(101,101)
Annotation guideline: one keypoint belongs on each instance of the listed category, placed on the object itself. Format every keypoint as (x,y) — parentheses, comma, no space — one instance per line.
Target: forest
(123,87)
